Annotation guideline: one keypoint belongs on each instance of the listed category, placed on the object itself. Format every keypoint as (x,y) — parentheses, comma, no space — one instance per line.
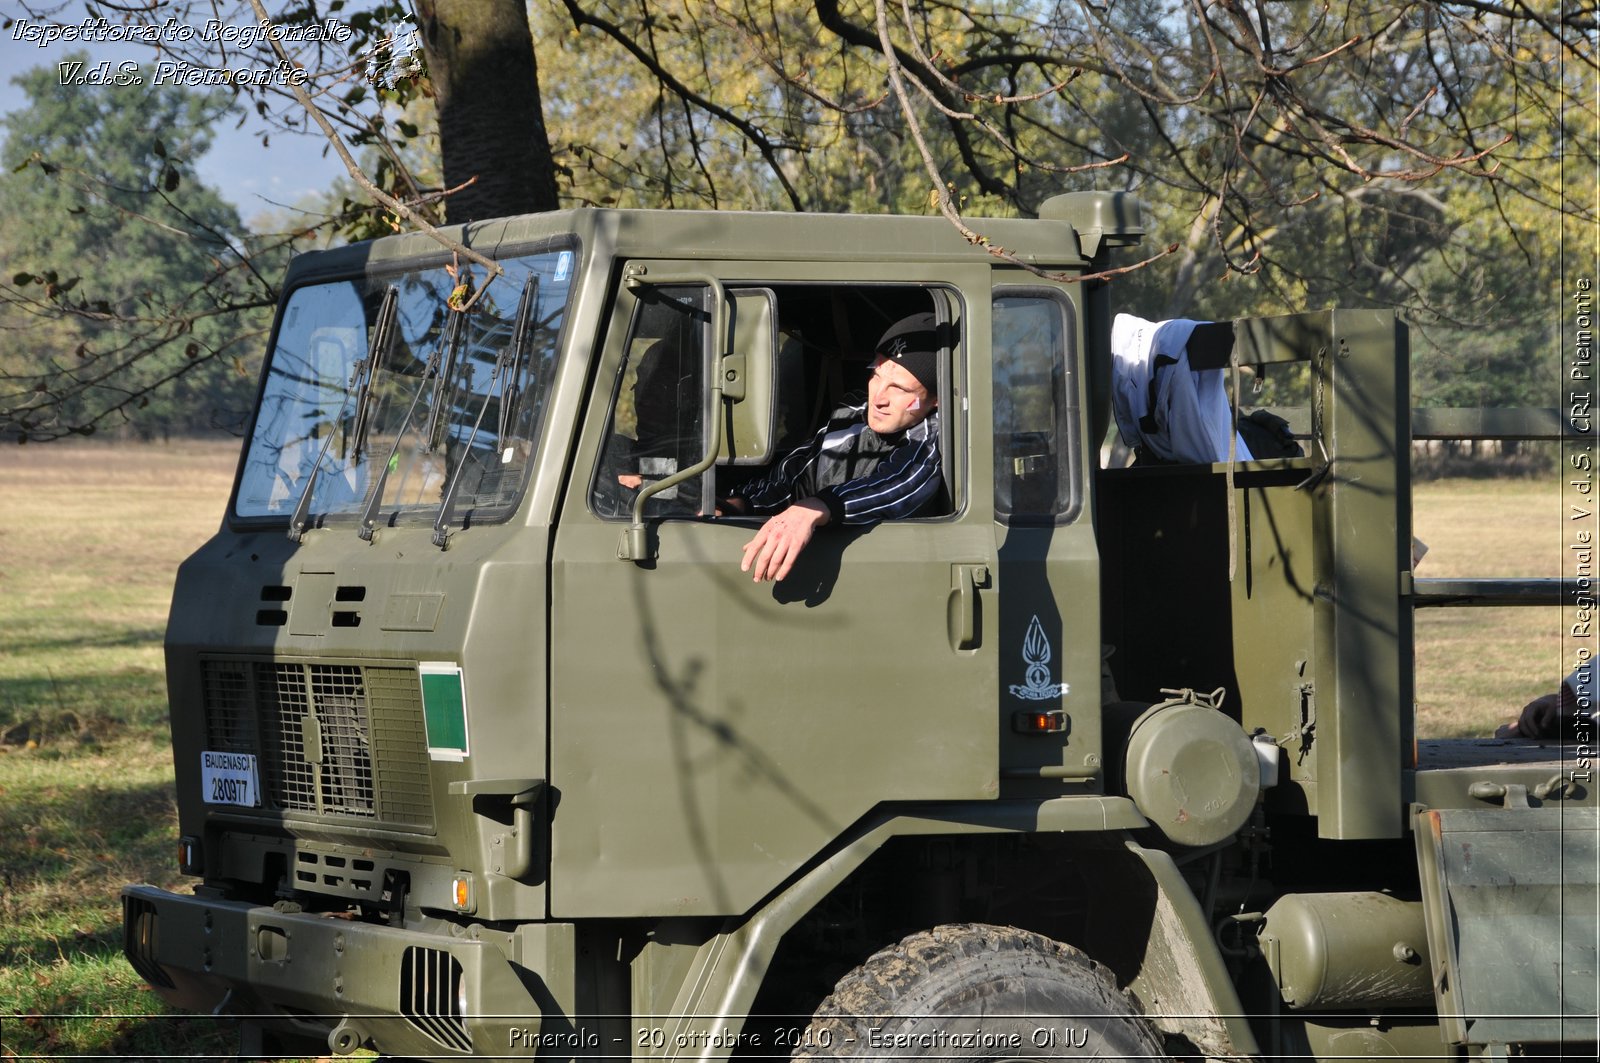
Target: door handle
(961,609)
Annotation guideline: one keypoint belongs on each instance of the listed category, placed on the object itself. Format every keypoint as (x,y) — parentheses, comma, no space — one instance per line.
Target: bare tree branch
(358,175)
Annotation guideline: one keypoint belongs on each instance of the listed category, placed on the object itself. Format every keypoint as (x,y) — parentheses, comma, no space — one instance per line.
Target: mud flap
(1509,896)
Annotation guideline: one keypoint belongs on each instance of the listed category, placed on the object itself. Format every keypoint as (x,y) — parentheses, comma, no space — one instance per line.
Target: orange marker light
(1040,723)
(461,893)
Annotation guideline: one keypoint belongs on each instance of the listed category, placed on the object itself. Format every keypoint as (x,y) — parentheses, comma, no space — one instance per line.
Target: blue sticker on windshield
(563,265)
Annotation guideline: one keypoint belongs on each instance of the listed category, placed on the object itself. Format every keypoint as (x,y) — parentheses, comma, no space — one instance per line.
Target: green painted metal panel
(1363,667)
(1510,896)
(709,735)
(444,709)
(1495,592)
(1450,422)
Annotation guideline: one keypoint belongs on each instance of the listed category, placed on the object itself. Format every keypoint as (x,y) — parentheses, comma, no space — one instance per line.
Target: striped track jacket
(858,474)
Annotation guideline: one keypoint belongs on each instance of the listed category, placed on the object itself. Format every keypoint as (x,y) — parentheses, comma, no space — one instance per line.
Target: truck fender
(1181,978)
(725,973)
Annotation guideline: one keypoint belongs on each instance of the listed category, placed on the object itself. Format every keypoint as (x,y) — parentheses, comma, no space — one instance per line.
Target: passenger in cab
(875,460)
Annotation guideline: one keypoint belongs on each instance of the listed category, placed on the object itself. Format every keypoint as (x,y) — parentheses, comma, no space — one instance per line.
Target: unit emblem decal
(1036,656)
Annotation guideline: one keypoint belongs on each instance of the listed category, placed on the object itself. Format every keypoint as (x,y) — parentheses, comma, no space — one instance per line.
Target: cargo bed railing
(1314,628)
(1523,424)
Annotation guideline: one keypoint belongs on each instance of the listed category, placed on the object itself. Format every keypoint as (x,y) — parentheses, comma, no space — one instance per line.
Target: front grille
(399,742)
(430,996)
(230,726)
(346,776)
(290,778)
(331,739)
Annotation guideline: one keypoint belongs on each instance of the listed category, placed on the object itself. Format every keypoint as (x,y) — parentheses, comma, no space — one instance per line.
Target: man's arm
(772,553)
(900,486)
(776,489)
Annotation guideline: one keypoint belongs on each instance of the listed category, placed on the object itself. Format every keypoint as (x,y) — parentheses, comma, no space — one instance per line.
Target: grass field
(1476,668)
(89,539)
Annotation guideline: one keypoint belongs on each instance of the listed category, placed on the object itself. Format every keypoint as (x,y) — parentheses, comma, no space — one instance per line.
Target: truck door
(710,734)
(1049,607)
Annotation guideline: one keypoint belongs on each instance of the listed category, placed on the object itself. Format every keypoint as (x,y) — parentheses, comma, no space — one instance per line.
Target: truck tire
(972,991)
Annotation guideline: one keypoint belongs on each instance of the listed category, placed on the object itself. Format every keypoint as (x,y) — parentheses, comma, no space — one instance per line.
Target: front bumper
(403,992)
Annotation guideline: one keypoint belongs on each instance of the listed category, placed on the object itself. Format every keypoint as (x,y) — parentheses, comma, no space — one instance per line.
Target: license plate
(229,778)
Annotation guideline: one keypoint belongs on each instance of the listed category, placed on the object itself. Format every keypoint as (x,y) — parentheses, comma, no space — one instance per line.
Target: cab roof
(1070,231)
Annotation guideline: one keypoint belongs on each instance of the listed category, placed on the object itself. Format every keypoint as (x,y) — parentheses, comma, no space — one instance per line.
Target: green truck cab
(485,746)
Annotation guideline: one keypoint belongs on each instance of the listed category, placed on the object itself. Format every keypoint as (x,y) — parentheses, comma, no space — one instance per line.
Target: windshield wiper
(382,340)
(512,350)
(526,311)
(361,386)
(455,328)
(443,387)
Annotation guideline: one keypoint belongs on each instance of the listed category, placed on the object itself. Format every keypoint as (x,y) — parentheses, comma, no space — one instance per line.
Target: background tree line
(1430,157)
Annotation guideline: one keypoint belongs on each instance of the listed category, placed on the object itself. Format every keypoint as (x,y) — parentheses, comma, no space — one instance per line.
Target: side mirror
(742,358)
(747,373)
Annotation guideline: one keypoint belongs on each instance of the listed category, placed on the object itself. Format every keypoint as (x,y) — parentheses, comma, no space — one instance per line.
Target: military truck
(485,745)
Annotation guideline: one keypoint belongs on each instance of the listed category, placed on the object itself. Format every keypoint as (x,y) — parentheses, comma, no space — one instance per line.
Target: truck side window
(1035,409)
(658,418)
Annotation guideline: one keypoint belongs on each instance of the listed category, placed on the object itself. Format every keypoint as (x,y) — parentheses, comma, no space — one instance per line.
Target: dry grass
(139,502)
(1476,668)
(90,536)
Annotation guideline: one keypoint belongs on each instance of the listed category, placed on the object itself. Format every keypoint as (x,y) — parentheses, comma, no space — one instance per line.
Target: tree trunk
(491,122)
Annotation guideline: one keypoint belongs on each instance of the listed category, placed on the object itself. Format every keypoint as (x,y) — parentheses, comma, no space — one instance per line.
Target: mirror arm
(635,541)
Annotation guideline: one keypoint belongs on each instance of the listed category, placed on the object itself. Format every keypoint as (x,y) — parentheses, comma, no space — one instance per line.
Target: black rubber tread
(953,970)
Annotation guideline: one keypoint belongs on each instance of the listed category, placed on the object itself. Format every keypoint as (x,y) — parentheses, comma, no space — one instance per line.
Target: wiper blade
(441,525)
(382,339)
(369,512)
(361,386)
(527,309)
(443,393)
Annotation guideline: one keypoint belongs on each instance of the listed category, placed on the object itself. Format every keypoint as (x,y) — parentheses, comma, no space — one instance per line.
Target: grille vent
(230,721)
(340,740)
(430,994)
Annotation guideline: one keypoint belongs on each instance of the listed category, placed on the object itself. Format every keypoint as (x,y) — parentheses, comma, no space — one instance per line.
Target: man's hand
(776,546)
(1540,719)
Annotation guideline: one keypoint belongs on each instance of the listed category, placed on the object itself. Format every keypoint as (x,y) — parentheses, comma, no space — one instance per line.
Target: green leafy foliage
(136,295)
(1297,156)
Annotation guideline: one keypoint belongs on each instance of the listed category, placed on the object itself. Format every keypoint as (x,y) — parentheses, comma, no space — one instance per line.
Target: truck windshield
(455,396)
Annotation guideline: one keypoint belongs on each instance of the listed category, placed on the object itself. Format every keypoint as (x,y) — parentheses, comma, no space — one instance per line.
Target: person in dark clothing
(1565,716)
(665,395)
(876,460)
